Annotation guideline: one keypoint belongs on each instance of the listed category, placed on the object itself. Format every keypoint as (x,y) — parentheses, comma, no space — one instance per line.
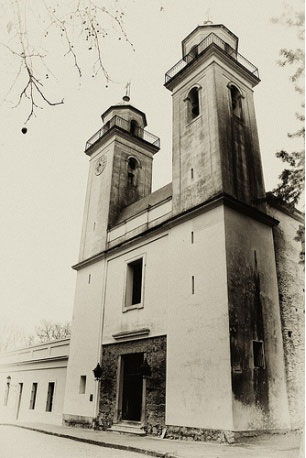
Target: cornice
(204,55)
(116,130)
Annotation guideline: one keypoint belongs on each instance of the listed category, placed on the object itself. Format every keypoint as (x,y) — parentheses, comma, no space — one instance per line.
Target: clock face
(100,165)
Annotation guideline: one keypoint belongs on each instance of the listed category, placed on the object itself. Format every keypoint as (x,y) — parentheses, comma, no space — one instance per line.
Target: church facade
(189,299)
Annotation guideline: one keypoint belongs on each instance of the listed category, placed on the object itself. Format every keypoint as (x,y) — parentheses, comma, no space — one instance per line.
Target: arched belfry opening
(134,127)
(235,99)
(193,104)
(132,171)
(194,52)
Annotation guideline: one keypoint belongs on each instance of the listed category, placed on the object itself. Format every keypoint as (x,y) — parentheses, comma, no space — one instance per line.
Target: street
(21,443)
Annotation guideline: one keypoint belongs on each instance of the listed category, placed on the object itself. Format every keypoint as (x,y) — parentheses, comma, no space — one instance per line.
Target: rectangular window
(33,396)
(6,394)
(133,294)
(82,384)
(192,284)
(258,354)
(50,395)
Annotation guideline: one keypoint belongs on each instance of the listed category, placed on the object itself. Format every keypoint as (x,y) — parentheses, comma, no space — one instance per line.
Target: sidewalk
(266,446)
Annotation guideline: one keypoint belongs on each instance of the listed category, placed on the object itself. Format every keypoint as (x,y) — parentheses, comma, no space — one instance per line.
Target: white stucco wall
(196,325)
(244,236)
(154,313)
(198,363)
(85,340)
(40,364)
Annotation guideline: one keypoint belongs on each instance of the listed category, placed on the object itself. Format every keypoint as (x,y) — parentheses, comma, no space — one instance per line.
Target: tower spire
(126,97)
(208,21)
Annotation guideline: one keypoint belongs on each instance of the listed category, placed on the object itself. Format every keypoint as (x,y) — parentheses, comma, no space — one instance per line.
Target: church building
(189,299)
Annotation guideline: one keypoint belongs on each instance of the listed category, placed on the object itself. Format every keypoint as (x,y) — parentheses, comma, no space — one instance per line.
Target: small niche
(82,384)
(192,284)
(258,354)
(192,237)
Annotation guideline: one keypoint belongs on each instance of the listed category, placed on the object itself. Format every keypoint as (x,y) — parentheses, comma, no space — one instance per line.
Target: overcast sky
(44,173)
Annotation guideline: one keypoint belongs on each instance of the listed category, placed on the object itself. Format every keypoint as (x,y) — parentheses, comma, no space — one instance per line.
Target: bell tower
(216,161)
(215,141)
(120,172)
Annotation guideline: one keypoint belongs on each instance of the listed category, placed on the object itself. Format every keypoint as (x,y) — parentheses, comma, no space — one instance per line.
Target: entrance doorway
(19,399)
(132,386)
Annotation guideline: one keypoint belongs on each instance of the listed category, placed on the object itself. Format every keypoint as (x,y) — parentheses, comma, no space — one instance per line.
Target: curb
(127,448)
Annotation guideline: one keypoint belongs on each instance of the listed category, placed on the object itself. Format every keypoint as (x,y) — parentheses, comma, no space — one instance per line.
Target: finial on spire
(208,21)
(126,97)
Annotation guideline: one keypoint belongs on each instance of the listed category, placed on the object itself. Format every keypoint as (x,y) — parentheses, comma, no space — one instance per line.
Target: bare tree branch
(78,23)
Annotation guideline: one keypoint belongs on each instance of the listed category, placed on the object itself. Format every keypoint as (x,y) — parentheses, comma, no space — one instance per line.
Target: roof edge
(130,107)
(210,25)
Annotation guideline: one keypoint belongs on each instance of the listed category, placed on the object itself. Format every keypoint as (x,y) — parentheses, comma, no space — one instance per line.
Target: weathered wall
(108,192)
(223,151)
(195,144)
(123,193)
(239,147)
(96,208)
(290,275)
(155,354)
(259,393)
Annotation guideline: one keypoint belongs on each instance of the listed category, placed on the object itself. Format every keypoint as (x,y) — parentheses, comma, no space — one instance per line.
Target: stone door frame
(119,391)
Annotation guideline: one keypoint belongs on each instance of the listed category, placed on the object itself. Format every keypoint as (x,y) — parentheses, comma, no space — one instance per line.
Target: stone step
(128,428)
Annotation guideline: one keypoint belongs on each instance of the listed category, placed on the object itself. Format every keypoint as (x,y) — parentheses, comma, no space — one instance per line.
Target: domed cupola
(127,112)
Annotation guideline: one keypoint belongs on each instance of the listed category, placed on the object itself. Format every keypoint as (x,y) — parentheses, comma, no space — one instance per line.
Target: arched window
(193,105)
(134,127)
(236,102)
(132,169)
(193,53)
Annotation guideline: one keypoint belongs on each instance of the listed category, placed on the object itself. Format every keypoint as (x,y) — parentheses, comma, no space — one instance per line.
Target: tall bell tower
(215,141)
(216,163)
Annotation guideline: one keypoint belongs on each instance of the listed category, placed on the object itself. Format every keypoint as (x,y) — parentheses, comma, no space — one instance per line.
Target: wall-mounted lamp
(98,372)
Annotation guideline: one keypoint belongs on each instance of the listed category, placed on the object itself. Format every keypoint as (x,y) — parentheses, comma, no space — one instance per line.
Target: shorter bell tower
(120,172)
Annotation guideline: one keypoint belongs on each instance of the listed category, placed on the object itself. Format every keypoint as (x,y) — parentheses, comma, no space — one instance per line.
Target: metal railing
(212,38)
(125,125)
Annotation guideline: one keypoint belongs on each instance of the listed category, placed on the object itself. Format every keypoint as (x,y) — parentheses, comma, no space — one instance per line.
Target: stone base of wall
(78,421)
(213,435)
(199,434)
(176,432)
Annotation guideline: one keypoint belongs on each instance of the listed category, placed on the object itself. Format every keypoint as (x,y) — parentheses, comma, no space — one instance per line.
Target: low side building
(32,383)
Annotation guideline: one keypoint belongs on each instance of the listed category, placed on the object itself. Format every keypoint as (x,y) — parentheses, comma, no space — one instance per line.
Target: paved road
(20,443)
